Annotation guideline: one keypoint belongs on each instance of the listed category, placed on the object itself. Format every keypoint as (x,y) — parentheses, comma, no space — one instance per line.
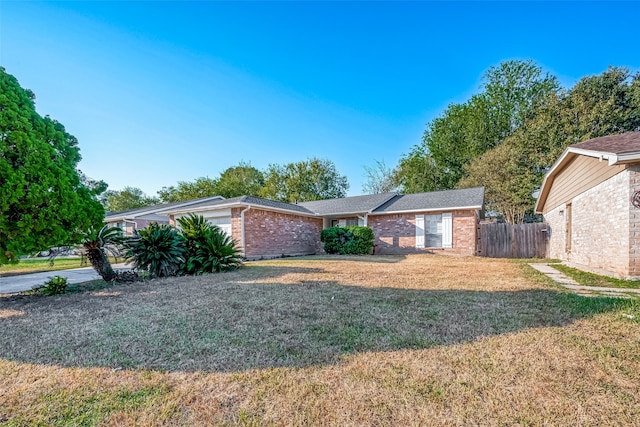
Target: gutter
(453,208)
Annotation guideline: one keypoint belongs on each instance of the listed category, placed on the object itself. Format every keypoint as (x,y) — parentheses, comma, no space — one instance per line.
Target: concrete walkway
(25,282)
(587,291)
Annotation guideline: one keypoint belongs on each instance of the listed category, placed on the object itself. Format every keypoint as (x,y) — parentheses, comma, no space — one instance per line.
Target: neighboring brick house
(591,200)
(444,220)
(140,218)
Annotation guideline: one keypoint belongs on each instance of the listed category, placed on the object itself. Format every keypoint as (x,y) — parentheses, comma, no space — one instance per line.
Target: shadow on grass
(222,323)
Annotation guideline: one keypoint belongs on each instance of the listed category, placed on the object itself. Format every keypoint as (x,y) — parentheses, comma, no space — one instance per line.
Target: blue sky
(160,92)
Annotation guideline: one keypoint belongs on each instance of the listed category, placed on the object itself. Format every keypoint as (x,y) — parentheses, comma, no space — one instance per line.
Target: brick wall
(396,233)
(272,234)
(600,227)
(634,223)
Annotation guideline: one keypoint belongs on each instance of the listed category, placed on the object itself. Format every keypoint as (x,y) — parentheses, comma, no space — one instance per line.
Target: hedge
(347,240)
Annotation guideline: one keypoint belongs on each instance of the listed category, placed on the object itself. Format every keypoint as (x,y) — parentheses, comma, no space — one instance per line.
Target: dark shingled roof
(347,205)
(247,200)
(617,144)
(154,208)
(467,197)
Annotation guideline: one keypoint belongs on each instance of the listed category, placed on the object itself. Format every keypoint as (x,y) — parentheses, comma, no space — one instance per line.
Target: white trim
(627,157)
(151,210)
(459,208)
(243,204)
(611,158)
(420,231)
(242,239)
(447,230)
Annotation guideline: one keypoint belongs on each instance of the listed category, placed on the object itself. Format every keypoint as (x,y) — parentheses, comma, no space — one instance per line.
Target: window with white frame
(434,231)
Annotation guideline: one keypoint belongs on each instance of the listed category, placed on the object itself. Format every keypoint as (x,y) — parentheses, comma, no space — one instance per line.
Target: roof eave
(455,208)
(239,205)
(567,156)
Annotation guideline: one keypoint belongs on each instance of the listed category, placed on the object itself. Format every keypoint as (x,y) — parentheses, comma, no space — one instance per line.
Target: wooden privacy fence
(513,240)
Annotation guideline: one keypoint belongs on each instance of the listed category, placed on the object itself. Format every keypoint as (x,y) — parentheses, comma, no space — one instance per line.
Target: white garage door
(223,222)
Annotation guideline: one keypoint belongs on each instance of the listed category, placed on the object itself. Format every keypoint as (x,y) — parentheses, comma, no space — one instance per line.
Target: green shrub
(54,286)
(347,240)
(158,249)
(208,249)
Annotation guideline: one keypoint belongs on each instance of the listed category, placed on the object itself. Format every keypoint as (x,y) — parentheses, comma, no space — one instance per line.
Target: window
(434,231)
(346,222)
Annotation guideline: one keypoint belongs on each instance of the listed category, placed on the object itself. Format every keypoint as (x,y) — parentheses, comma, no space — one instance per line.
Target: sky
(159,92)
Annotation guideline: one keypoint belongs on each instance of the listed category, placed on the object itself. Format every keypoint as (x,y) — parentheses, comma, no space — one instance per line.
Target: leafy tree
(241,180)
(128,198)
(417,172)
(43,199)
(201,187)
(596,106)
(313,179)
(380,179)
(511,92)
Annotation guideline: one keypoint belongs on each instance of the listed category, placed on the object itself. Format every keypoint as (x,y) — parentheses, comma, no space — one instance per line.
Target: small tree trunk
(101,264)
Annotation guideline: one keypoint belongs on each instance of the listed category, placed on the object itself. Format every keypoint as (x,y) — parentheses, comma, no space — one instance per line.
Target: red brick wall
(396,233)
(272,234)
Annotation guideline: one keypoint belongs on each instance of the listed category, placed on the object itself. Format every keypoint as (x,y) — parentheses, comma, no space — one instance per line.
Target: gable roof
(238,202)
(615,149)
(348,205)
(372,204)
(622,144)
(155,209)
(466,198)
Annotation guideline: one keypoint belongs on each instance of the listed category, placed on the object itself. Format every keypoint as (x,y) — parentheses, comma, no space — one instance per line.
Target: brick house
(137,219)
(591,200)
(445,221)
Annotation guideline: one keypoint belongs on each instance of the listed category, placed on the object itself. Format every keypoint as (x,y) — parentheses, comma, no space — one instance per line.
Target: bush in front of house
(157,249)
(353,240)
(207,248)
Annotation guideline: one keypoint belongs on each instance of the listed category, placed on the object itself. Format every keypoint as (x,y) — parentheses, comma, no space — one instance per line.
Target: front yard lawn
(416,340)
(585,278)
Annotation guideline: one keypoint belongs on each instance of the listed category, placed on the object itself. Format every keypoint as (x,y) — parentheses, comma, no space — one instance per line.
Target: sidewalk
(587,291)
(25,282)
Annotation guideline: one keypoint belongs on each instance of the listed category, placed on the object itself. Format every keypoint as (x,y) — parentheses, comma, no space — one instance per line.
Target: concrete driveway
(25,282)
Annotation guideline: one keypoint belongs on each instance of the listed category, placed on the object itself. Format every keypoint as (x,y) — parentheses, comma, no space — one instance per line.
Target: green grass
(590,279)
(39,265)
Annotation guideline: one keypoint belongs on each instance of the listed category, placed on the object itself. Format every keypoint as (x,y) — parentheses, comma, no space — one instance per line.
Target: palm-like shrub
(97,243)
(158,249)
(208,249)
(216,252)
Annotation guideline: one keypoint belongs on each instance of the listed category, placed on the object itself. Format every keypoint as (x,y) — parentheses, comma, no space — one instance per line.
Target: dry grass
(421,340)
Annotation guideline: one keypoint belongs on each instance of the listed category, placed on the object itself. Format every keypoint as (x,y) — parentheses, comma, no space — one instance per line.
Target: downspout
(242,240)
